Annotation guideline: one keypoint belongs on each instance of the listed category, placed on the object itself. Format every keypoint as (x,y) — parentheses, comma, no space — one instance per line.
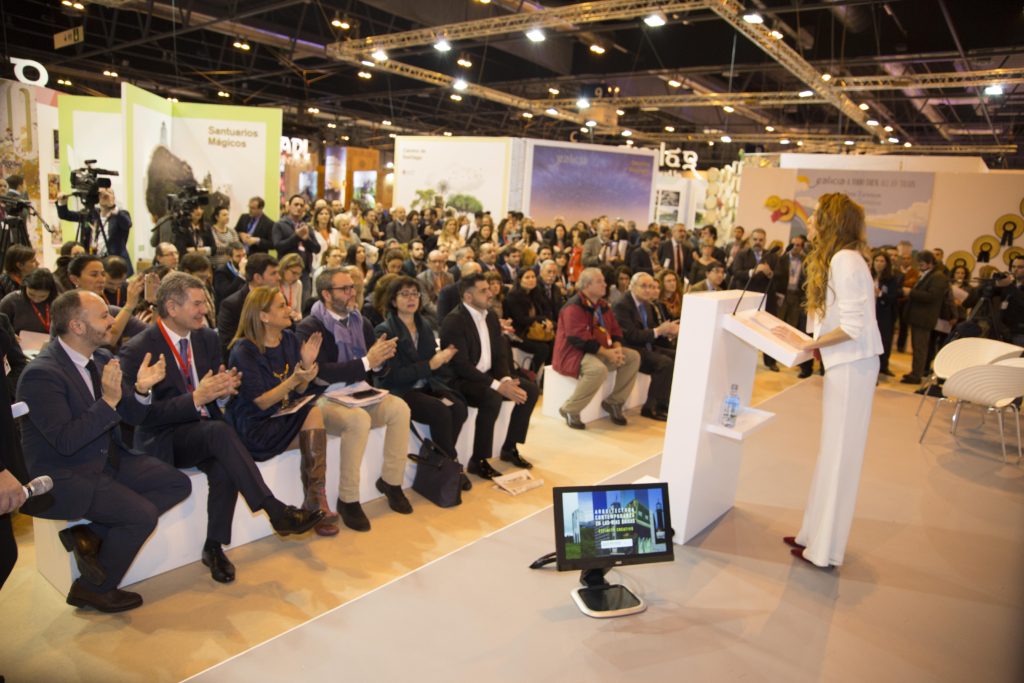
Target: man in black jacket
(753,270)
(644,258)
(228,279)
(924,303)
(292,235)
(635,317)
(255,228)
(549,293)
(185,426)
(104,226)
(483,375)
(677,253)
(349,353)
(260,271)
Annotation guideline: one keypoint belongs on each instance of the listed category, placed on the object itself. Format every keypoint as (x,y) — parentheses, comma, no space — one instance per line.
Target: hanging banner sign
(677,159)
(69,37)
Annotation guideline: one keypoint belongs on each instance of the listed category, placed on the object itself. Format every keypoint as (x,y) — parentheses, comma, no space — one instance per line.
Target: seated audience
(166,254)
(77,396)
(28,308)
(260,271)
(68,251)
(349,354)
(645,259)
(86,274)
(330,257)
(588,345)
(713,282)
(19,261)
(417,261)
(414,372)
(228,277)
(198,265)
(185,425)
(483,375)
(115,289)
(277,371)
(535,330)
(671,296)
(291,284)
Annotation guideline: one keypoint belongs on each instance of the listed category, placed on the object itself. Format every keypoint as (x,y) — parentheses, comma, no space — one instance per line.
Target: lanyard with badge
(184,364)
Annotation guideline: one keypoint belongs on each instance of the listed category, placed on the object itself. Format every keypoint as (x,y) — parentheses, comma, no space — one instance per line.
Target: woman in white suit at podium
(841,296)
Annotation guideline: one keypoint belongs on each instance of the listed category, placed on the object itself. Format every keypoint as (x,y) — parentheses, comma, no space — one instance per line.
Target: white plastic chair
(994,387)
(965,353)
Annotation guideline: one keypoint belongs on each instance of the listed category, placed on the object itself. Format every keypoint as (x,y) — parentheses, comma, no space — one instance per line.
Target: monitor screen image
(605,526)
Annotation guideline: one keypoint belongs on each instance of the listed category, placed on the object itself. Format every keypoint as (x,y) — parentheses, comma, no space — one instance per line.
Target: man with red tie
(677,253)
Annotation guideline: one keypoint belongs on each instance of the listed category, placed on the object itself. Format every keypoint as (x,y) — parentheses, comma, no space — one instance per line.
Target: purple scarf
(348,333)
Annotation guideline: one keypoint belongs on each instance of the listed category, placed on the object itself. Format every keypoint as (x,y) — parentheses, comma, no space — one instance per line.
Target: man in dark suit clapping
(255,228)
(77,396)
(185,426)
(483,375)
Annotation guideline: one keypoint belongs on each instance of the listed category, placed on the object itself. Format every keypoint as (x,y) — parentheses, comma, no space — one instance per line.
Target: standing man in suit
(789,289)
(292,235)
(601,251)
(185,426)
(636,318)
(255,229)
(644,259)
(753,270)
(677,253)
(260,271)
(77,397)
(106,227)
(924,302)
(483,374)
(228,278)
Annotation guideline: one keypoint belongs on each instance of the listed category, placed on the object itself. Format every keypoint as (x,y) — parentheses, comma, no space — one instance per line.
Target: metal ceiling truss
(953,79)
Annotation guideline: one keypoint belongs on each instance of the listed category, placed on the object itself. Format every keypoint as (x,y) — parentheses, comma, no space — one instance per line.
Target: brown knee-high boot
(313,470)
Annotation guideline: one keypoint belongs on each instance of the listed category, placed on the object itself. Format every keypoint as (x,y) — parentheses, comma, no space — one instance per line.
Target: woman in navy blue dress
(277,372)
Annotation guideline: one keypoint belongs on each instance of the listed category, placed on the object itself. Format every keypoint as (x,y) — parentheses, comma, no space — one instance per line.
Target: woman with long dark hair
(414,372)
(535,333)
(841,295)
(28,307)
(888,289)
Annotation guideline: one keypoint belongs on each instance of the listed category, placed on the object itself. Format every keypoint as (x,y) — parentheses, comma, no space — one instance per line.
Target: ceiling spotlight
(241,45)
(442,45)
(907,144)
(583,103)
(655,20)
(112,74)
(379,55)
(848,143)
(711,143)
(673,83)
(769,129)
(871,122)
(993,90)
(390,164)
(172,99)
(338,22)
(726,138)
(888,129)
(385,122)
(629,143)
(799,143)
(366,62)
(460,84)
(784,141)
(597,49)
(753,18)
(332,125)
(345,138)
(863,106)
(484,2)
(584,129)
(806,93)
(776,34)
(826,77)
(535,35)
(78,5)
(893,140)
(221,93)
(626,133)
(527,115)
(456,97)
(313,110)
(728,109)
(554,91)
(620,112)
(464,62)
(365,74)
(551,111)
(62,81)
(447,133)
(591,123)
(670,129)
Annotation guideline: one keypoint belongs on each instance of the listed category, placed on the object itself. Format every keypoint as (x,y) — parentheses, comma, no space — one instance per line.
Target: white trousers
(846,413)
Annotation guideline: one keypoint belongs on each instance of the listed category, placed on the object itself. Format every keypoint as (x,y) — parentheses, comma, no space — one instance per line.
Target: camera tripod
(985,312)
(13,231)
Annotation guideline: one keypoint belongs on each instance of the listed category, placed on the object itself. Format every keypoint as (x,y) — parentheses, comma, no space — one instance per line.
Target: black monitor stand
(600,599)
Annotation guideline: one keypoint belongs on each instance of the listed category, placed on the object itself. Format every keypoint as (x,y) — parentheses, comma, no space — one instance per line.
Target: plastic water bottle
(731,407)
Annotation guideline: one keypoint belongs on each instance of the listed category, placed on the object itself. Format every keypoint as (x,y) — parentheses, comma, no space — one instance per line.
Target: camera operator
(104,221)
(196,237)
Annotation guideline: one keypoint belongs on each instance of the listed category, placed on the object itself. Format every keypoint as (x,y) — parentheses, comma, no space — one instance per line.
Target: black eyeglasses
(343,288)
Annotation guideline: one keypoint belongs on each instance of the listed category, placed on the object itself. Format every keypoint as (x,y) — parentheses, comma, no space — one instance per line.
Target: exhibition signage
(677,159)
(69,37)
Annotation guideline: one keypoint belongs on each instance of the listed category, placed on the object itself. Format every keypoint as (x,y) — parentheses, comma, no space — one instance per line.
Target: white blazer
(849,304)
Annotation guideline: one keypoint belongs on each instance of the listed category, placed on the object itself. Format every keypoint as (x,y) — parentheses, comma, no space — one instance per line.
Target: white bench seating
(558,388)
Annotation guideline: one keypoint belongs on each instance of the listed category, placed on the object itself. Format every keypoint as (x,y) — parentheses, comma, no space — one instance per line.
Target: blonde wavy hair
(839,224)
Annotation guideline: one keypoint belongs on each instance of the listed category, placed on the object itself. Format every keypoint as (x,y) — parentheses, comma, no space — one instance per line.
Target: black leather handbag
(438,475)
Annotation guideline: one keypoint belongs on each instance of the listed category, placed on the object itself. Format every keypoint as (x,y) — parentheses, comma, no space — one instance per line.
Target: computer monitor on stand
(601,527)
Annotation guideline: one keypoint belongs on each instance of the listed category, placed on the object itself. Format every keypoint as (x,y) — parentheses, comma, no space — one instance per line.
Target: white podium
(701,459)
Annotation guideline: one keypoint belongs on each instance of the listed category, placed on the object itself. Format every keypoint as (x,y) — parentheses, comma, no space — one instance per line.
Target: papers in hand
(517,482)
(355,395)
(32,342)
(294,406)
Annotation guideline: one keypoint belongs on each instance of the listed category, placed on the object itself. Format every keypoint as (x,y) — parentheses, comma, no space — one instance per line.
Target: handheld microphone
(37,486)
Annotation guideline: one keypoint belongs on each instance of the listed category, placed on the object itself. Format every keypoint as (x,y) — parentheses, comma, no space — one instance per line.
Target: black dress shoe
(482,468)
(396,499)
(353,516)
(512,455)
(614,413)
(887,372)
(572,419)
(654,414)
(804,374)
(295,521)
(465,482)
(773,367)
(85,545)
(115,600)
(220,566)
(910,379)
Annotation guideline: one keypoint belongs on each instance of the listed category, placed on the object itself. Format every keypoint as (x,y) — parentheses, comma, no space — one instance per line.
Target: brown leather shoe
(85,545)
(112,601)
